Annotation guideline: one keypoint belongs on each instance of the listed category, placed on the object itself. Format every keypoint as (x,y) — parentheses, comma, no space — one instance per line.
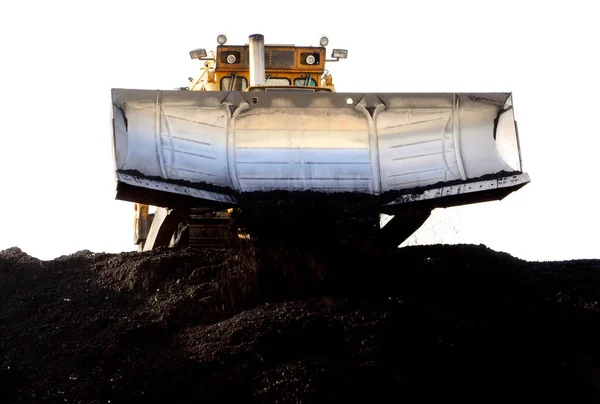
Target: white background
(59,59)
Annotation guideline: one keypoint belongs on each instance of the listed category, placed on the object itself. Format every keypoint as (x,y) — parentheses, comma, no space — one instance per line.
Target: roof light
(310,59)
(222,39)
(339,53)
(198,53)
(324,41)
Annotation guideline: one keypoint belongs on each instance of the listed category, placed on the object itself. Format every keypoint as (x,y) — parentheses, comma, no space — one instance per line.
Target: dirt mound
(286,325)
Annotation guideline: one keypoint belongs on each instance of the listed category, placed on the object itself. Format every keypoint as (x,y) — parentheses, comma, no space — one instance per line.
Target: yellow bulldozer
(261,142)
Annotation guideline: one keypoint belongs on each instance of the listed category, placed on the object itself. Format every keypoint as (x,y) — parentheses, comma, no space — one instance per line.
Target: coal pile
(284,325)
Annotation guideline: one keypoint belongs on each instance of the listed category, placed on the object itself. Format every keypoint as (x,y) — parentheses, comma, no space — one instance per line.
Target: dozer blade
(188,148)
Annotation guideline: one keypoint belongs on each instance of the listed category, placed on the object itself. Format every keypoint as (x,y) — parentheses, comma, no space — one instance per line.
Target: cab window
(238,83)
(277,81)
(302,81)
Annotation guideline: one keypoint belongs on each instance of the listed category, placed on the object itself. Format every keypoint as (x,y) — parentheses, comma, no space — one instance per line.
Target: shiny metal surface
(256,50)
(285,140)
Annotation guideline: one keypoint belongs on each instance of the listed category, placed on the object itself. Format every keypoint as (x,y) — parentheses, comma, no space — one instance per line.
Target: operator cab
(286,67)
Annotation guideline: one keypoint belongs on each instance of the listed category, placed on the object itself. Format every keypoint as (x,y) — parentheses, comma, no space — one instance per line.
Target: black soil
(420,324)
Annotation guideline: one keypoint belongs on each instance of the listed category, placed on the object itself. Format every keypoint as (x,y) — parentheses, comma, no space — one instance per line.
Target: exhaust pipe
(257,60)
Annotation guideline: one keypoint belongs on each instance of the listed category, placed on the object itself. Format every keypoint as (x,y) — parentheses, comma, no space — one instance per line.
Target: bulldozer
(260,142)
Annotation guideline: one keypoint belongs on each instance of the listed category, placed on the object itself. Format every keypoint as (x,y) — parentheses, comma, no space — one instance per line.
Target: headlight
(310,59)
(339,53)
(324,41)
(231,59)
(221,39)
(198,53)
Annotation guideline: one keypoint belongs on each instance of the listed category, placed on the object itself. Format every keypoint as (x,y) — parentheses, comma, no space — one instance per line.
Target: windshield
(277,81)
(304,82)
(239,83)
